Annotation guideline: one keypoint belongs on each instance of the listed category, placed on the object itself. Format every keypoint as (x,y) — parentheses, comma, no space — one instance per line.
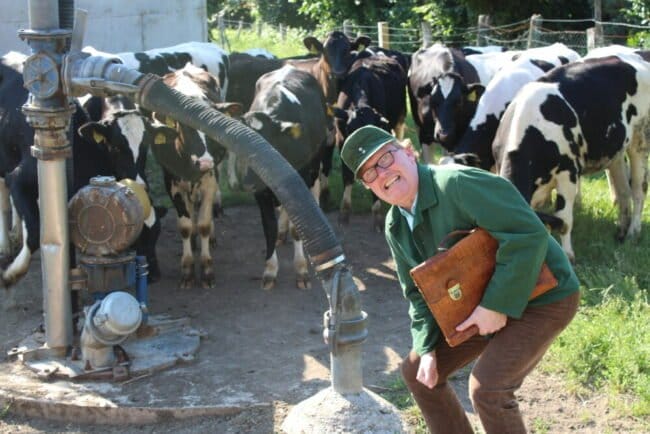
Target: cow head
(336,51)
(124,137)
(453,103)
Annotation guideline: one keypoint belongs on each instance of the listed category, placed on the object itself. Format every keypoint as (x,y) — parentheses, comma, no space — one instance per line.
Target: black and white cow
(580,118)
(161,61)
(193,197)
(444,88)
(470,50)
(290,112)
(529,66)
(99,156)
(373,93)
(115,122)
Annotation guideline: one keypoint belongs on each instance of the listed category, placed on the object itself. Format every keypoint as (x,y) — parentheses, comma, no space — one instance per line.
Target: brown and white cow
(580,118)
(193,198)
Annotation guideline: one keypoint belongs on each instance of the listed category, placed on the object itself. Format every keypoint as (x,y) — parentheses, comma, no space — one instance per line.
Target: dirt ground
(263,351)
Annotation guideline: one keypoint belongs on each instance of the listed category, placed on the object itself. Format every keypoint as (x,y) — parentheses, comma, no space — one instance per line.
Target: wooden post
(240,26)
(283,32)
(383,34)
(599,41)
(347,28)
(535,22)
(481,32)
(260,25)
(426,34)
(222,30)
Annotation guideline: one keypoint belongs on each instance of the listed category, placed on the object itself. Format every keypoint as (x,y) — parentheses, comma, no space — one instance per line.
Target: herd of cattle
(540,117)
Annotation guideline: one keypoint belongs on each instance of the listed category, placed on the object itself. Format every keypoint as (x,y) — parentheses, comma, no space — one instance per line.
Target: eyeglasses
(385,161)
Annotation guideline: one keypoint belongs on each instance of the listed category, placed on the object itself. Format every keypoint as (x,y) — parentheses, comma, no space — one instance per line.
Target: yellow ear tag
(295,131)
(159,139)
(98,138)
(170,122)
(330,110)
(471,97)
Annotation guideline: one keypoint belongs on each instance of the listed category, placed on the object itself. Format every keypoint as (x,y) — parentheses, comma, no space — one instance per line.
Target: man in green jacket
(428,202)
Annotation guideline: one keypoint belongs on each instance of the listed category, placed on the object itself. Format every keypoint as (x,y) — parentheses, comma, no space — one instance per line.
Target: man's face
(396,183)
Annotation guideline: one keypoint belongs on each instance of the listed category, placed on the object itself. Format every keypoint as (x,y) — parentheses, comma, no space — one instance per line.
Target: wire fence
(533,32)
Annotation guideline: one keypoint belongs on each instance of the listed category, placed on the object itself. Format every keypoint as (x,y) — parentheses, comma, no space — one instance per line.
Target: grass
(606,349)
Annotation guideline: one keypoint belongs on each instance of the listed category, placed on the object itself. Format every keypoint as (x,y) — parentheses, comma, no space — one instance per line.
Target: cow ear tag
(170,122)
(295,131)
(471,97)
(330,110)
(98,137)
(159,139)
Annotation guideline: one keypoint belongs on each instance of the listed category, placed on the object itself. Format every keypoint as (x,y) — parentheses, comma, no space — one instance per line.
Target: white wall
(119,25)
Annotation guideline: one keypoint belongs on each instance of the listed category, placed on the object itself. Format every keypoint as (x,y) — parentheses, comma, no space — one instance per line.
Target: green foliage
(233,9)
(273,41)
(607,347)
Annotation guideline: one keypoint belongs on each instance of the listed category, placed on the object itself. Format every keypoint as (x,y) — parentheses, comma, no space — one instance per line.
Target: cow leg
(324,173)
(377,215)
(565,200)
(300,261)
(346,200)
(270,227)
(428,152)
(620,190)
(638,159)
(283,226)
(231,168)
(179,193)
(16,232)
(5,220)
(399,130)
(205,227)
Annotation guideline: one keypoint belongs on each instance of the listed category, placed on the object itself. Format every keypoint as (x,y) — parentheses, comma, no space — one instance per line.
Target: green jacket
(452,197)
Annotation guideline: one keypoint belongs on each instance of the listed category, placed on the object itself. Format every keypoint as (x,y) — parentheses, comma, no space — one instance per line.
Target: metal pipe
(48,112)
(55,259)
(43,14)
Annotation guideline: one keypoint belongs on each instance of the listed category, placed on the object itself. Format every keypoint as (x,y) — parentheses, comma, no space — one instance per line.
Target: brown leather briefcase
(453,281)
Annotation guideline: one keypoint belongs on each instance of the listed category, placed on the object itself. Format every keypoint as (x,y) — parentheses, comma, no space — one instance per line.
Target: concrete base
(330,412)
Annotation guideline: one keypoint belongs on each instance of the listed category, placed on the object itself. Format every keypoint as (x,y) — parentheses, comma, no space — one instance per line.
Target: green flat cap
(362,144)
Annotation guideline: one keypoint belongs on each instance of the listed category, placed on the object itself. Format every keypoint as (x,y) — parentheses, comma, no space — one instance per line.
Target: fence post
(283,32)
(535,22)
(347,28)
(426,34)
(260,25)
(383,34)
(222,30)
(240,26)
(482,29)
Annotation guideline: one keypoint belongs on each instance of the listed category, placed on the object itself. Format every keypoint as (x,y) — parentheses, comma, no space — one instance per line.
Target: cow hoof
(303,282)
(207,282)
(187,282)
(268,282)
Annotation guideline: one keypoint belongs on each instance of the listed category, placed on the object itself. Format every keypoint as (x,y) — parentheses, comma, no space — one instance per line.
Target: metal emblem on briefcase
(455,292)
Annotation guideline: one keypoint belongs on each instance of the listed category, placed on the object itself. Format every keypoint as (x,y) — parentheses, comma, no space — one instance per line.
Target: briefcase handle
(442,247)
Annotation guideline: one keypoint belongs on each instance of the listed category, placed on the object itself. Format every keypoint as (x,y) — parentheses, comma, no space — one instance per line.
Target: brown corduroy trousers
(503,362)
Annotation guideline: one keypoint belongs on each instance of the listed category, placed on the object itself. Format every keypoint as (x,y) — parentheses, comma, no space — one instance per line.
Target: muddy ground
(263,350)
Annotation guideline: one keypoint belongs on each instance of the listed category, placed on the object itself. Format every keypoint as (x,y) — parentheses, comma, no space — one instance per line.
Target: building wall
(119,25)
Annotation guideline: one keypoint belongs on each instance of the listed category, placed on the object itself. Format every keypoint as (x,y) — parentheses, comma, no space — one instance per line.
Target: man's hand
(427,370)
(487,321)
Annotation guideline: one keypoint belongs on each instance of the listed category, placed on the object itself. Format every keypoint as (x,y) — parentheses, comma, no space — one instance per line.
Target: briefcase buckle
(455,292)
